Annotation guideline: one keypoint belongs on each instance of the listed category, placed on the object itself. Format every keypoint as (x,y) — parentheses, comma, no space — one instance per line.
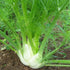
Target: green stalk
(57,65)
(24,8)
(59,61)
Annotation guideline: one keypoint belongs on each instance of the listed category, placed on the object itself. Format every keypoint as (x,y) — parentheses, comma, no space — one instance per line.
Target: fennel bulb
(30,59)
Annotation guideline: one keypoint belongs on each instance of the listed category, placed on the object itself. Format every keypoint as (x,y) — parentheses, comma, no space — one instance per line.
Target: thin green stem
(57,65)
(59,61)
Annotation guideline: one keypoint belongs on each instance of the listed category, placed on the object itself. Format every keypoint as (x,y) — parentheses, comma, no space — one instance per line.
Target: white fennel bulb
(29,59)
